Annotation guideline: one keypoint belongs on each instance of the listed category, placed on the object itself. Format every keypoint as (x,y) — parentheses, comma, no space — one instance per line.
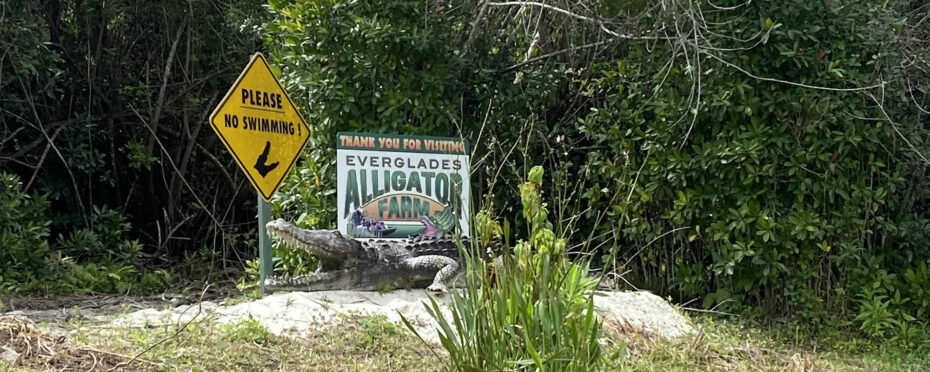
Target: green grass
(726,345)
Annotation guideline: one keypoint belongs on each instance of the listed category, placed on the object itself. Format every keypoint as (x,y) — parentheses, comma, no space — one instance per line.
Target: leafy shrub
(25,257)
(917,284)
(97,259)
(100,259)
(104,240)
(875,315)
(109,277)
(532,308)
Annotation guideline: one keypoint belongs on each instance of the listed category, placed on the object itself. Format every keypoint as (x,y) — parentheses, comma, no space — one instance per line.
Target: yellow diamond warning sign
(260,126)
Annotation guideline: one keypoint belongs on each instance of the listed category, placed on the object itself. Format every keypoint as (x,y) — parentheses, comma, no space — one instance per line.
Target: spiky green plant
(532,309)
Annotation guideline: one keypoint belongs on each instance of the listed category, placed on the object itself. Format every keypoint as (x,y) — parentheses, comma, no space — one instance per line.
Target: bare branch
(696,73)
(553,54)
(895,127)
(653,241)
(596,21)
(802,85)
(170,161)
(546,6)
(38,166)
(156,116)
(475,26)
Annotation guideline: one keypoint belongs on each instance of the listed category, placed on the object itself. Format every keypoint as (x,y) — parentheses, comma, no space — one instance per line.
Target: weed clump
(246,330)
(530,307)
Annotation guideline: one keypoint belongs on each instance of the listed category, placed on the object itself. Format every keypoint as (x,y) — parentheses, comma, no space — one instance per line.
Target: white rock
(642,312)
(301,313)
(8,354)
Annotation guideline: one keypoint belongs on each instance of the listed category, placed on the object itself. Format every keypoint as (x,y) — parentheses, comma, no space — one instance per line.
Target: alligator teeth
(287,239)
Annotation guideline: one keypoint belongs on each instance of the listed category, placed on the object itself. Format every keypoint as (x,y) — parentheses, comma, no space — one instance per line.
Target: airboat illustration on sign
(430,217)
(392,186)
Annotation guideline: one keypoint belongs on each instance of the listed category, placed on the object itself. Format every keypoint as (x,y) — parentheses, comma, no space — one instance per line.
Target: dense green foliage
(533,308)
(764,157)
(795,198)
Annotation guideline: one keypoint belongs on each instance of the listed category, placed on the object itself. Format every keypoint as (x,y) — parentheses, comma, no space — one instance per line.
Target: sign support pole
(264,243)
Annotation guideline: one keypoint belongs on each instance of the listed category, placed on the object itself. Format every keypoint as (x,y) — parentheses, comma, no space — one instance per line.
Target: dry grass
(359,343)
(37,349)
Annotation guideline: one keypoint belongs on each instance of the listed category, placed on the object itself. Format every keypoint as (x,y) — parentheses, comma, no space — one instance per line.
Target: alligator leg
(446,270)
(320,281)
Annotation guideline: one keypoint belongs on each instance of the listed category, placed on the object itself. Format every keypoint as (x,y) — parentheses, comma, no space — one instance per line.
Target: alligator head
(325,244)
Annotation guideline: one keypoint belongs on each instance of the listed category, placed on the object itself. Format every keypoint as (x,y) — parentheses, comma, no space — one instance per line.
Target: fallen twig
(707,311)
(176,333)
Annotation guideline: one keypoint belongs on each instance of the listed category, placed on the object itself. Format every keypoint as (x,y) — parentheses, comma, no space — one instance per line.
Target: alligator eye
(337,233)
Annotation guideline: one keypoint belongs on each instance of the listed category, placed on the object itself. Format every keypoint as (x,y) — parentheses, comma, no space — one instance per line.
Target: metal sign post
(265,266)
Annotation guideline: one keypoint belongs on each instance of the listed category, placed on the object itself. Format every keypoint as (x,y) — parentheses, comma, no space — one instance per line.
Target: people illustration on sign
(362,227)
(260,165)
(358,216)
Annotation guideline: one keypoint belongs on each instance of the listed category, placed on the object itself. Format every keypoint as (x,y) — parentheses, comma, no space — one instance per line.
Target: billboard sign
(400,186)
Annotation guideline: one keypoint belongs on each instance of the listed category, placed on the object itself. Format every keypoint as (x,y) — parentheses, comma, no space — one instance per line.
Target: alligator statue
(347,263)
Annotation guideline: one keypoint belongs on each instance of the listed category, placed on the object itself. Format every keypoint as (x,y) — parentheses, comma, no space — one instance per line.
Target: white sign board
(397,186)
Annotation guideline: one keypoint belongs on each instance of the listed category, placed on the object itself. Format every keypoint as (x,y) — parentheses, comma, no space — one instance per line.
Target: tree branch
(553,54)
(161,92)
(802,85)
(474,27)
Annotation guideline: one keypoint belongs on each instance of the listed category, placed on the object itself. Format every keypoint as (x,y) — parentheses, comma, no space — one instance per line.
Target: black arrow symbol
(260,162)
